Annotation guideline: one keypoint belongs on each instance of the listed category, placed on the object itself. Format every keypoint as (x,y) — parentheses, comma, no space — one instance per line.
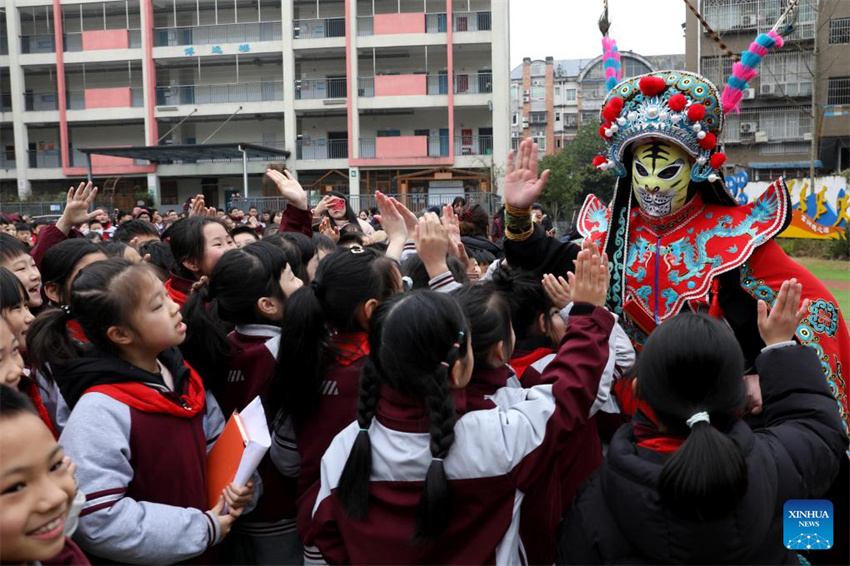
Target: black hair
(186,238)
(414,268)
(59,262)
(11,248)
(115,249)
(14,403)
(229,297)
(292,251)
(271,230)
(307,250)
(474,221)
(380,246)
(323,243)
(537,206)
(23,227)
(133,229)
(707,475)
(94,237)
(527,300)
(104,294)
(4,221)
(161,257)
(350,216)
(414,340)
(481,255)
(245,230)
(351,237)
(345,280)
(12,291)
(489,316)
(458,201)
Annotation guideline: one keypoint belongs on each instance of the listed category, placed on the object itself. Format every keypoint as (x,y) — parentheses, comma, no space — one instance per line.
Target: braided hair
(416,360)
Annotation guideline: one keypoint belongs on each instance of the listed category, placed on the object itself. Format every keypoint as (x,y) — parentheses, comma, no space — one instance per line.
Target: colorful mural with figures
(822,212)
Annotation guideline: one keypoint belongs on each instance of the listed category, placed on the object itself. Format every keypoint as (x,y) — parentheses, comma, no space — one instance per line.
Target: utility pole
(815,109)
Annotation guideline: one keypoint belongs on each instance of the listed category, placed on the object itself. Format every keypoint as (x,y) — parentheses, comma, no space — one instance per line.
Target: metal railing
(39,101)
(471,21)
(438,84)
(219,93)
(32,208)
(322,149)
(365,25)
(44,158)
(476,83)
(436,23)
(437,146)
(6,163)
(316,89)
(365,86)
(318,28)
(416,202)
(751,16)
(473,145)
(212,34)
(38,43)
(768,125)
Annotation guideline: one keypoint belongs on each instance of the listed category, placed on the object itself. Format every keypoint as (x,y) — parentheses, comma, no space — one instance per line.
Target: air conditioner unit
(526,92)
(748,127)
(749,93)
(525,123)
(807,136)
(767,89)
(749,20)
(535,83)
(526,98)
(539,134)
(761,137)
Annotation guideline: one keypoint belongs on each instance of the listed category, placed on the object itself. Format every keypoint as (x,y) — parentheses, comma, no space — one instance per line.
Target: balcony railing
(366,86)
(471,21)
(74,40)
(213,34)
(44,158)
(473,145)
(7,163)
(39,101)
(404,147)
(318,28)
(437,23)
(317,89)
(38,43)
(6,102)
(219,93)
(768,125)
(480,83)
(365,25)
(402,85)
(76,100)
(322,149)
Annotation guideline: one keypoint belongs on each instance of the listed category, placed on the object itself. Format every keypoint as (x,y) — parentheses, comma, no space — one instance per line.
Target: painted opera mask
(661,174)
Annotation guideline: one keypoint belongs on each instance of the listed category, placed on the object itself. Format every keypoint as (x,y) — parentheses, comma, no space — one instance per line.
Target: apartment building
(550,98)
(802,93)
(392,95)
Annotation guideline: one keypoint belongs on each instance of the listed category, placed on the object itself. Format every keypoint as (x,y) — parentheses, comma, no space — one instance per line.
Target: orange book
(238,451)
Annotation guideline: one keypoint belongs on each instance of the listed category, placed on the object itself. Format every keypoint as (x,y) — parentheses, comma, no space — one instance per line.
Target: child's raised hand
(289,188)
(410,219)
(558,290)
(589,284)
(781,324)
(331,232)
(391,219)
(432,244)
(198,207)
(521,185)
(77,206)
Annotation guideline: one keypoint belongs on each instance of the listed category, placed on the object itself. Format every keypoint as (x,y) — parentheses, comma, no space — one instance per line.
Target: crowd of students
(429,400)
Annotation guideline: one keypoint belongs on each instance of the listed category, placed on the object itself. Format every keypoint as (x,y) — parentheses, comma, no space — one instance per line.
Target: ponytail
(354,482)
(706,476)
(48,342)
(206,347)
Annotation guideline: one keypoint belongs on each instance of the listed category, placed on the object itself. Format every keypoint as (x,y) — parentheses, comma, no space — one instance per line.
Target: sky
(568,29)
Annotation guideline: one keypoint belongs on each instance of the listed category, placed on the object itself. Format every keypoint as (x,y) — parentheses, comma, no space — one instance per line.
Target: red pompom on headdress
(599,160)
(651,86)
(677,102)
(717,160)
(696,112)
(602,129)
(709,141)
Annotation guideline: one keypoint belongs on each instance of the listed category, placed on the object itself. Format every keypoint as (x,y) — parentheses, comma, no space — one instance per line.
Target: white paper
(259,441)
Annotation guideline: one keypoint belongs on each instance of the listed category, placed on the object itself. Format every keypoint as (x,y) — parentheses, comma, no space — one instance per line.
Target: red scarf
(648,436)
(144,398)
(30,388)
(521,364)
(176,294)
(348,348)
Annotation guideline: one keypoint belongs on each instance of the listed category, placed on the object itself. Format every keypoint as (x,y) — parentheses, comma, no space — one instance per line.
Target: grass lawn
(830,270)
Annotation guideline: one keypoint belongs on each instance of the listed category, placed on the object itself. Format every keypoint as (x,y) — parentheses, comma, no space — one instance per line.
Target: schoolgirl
(141,420)
(196,243)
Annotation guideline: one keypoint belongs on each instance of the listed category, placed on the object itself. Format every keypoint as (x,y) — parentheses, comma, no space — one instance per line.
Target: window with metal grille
(838,91)
(717,69)
(839,30)
(748,16)
(538,117)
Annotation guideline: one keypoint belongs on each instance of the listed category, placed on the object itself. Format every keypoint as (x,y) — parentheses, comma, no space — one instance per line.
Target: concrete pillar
(353,82)
(153,190)
(16,84)
(501,88)
(354,186)
(290,124)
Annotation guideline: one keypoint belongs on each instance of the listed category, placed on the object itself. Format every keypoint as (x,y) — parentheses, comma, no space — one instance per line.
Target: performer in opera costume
(675,237)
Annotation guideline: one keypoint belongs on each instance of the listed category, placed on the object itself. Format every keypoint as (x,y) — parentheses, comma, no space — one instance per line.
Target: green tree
(573,175)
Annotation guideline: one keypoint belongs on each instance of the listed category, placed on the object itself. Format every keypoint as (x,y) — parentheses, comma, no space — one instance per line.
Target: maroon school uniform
(497,456)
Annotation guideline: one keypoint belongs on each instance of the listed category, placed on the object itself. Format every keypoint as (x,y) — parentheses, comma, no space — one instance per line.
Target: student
(11,361)
(324,246)
(324,347)
(336,207)
(62,263)
(249,288)
(23,232)
(141,420)
(244,235)
(7,226)
(196,243)
(14,257)
(158,254)
(475,231)
(307,250)
(135,233)
(699,485)
(390,493)
(75,214)
(37,489)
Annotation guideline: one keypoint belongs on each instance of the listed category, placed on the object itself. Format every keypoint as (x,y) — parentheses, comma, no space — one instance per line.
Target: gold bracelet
(520,212)
(521,237)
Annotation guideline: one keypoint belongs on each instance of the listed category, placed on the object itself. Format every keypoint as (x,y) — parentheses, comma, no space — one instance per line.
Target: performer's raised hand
(522,185)
(781,324)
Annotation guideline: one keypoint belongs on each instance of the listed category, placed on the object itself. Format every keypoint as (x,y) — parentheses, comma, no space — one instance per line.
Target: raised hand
(522,185)
(77,206)
(410,219)
(393,224)
(323,205)
(331,231)
(558,290)
(197,207)
(289,188)
(589,284)
(432,244)
(781,324)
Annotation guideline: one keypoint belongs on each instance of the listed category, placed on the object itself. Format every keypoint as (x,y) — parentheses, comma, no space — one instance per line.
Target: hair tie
(698,418)
(437,460)
(67,310)
(364,430)
(460,335)
(456,345)
(445,364)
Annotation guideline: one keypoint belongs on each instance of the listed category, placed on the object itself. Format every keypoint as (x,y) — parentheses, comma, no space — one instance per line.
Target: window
(718,69)
(570,95)
(557,117)
(538,69)
(515,119)
(514,92)
(538,117)
(541,143)
(838,91)
(557,92)
(839,31)
(538,92)
(558,143)
(570,120)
